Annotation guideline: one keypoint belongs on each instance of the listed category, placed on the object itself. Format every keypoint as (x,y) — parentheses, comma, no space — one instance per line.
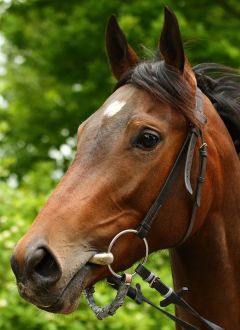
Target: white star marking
(114,108)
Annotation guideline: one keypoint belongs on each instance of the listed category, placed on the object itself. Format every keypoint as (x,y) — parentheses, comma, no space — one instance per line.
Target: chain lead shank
(110,309)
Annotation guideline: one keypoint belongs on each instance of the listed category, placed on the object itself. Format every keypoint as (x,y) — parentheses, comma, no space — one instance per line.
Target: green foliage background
(53,74)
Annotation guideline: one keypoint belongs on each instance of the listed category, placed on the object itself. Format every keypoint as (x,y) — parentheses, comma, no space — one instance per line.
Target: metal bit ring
(115,238)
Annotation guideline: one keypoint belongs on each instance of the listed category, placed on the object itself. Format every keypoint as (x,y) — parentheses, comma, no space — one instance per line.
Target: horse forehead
(118,109)
(122,100)
(126,104)
(99,133)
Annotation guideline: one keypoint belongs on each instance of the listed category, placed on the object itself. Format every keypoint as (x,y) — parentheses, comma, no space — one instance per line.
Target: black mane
(165,83)
(222,86)
(219,83)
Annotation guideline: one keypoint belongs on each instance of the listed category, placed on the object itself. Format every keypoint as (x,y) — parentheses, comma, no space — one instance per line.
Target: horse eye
(147,139)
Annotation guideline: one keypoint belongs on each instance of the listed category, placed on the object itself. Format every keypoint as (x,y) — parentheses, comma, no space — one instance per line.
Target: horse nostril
(43,264)
(15,266)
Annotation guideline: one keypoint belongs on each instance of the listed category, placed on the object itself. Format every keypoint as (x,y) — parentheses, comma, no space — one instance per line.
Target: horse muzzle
(46,283)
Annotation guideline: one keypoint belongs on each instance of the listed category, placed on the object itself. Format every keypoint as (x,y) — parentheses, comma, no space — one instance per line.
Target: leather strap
(189,159)
(149,218)
(198,190)
(172,297)
(136,294)
(187,151)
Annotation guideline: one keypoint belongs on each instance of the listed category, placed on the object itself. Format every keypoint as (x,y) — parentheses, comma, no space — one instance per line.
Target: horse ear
(121,55)
(171,46)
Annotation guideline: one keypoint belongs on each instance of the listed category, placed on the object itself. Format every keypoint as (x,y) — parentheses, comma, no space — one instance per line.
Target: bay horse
(125,152)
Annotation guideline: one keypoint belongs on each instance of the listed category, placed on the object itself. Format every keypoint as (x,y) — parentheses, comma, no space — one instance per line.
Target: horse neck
(209,263)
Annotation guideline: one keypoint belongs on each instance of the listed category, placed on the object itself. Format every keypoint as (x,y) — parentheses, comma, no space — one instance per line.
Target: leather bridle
(122,283)
(186,153)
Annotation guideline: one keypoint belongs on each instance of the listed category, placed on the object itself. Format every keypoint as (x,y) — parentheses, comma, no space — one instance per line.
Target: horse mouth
(69,298)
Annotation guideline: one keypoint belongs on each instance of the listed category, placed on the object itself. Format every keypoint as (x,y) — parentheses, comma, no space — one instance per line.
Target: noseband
(122,283)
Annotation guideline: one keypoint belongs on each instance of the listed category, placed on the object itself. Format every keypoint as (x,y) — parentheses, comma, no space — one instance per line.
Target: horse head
(125,151)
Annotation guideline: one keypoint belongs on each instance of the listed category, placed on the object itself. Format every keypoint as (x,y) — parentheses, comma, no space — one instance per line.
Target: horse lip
(74,287)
